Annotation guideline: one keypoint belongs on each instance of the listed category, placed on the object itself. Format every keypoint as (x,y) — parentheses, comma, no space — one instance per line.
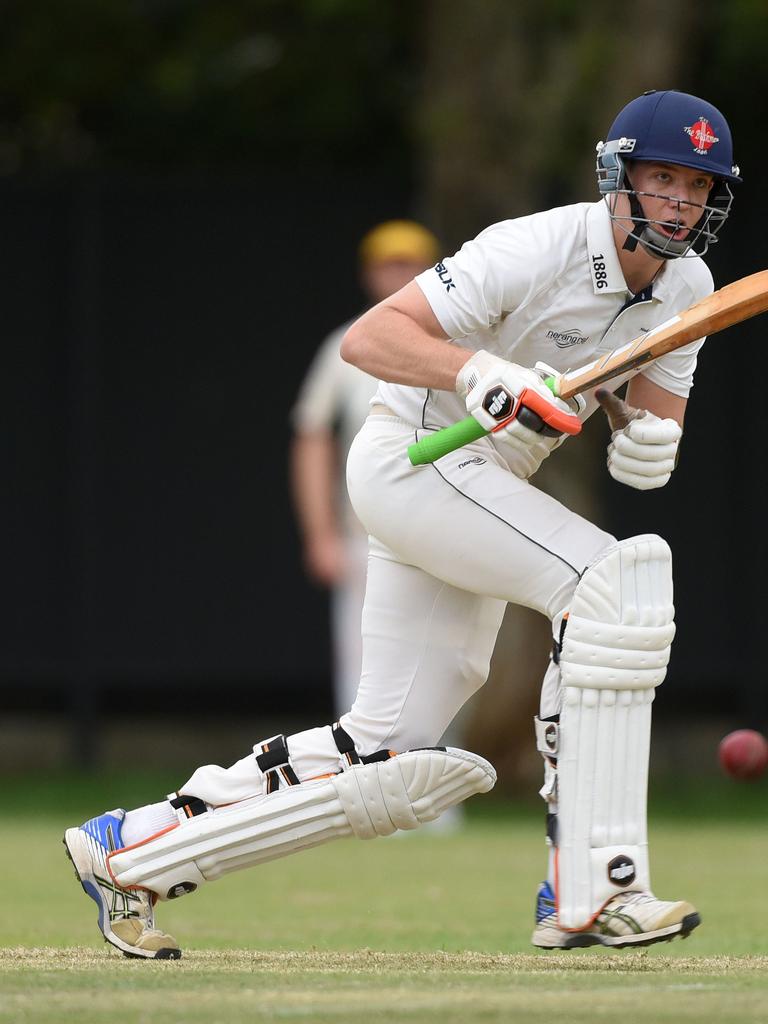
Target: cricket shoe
(628,919)
(126,917)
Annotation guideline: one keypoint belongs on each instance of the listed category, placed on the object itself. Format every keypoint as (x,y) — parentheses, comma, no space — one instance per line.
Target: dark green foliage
(163,82)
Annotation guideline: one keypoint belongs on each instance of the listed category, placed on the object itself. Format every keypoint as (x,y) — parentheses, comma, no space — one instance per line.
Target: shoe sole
(583,940)
(91,889)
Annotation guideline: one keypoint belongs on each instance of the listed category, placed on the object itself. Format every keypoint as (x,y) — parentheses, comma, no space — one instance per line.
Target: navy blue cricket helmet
(675,128)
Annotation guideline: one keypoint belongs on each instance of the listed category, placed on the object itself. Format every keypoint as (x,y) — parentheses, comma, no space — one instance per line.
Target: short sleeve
(497,272)
(674,371)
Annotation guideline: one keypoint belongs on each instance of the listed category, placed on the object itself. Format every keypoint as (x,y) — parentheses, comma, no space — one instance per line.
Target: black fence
(155,332)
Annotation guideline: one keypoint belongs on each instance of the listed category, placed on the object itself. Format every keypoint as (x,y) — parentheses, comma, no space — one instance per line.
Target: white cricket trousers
(450,545)
(347,598)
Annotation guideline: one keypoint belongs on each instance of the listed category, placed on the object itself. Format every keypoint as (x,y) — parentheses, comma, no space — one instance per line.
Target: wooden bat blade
(723,308)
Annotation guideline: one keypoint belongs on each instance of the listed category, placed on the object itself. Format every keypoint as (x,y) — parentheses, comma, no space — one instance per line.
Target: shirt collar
(604,266)
(601,249)
(662,283)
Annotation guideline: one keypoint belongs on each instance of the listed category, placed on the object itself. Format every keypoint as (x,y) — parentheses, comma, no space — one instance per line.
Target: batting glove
(514,404)
(643,448)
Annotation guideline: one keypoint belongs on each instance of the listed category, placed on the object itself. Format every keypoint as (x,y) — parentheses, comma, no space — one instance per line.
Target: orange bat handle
(560,421)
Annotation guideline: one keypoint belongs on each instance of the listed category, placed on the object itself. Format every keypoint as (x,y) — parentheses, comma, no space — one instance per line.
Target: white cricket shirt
(549,287)
(334,397)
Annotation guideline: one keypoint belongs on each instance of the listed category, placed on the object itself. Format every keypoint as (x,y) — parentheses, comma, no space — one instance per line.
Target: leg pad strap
(365,800)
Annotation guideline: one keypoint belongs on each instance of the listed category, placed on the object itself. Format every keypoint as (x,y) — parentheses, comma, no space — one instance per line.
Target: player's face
(381,280)
(671,195)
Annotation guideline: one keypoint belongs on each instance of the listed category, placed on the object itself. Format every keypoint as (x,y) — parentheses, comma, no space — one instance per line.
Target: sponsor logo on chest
(569,338)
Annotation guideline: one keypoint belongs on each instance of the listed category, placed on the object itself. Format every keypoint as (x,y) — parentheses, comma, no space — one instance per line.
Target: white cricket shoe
(628,919)
(126,918)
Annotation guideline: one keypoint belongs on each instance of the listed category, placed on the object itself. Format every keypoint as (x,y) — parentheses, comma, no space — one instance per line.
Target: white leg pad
(365,800)
(615,652)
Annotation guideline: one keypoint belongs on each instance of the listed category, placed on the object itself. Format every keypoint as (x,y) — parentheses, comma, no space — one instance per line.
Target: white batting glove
(643,450)
(491,388)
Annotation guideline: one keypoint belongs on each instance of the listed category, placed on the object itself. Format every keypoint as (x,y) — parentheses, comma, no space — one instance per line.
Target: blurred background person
(181,183)
(331,406)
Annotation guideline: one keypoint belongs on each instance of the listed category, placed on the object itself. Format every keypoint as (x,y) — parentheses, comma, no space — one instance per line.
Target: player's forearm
(390,345)
(644,394)
(313,474)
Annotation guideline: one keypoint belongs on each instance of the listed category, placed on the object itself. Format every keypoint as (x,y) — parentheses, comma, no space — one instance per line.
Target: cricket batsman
(452,542)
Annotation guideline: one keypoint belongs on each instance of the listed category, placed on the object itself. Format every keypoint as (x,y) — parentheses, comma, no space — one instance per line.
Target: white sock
(144,822)
(313,752)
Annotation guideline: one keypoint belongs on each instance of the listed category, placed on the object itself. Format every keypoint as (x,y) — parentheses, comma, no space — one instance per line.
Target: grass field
(414,928)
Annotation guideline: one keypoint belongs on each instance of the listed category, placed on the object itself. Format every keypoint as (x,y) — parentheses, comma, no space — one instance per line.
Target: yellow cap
(399,240)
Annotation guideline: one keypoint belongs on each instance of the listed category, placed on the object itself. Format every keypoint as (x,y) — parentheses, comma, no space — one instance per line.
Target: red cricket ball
(744,754)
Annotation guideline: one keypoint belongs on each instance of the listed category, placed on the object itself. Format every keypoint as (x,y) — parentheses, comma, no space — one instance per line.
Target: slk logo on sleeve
(702,136)
(445,276)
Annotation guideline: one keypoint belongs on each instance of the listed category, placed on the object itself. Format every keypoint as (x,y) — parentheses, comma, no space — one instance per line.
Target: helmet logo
(702,136)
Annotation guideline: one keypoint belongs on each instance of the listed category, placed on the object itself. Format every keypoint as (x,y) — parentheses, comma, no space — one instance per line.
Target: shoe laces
(147,911)
(148,919)
(151,932)
(630,898)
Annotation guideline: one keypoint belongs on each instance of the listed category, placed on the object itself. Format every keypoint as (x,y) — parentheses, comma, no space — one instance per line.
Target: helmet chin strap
(638,227)
(643,234)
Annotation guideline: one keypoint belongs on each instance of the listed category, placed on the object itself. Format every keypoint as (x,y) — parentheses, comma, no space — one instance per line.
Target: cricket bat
(729,305)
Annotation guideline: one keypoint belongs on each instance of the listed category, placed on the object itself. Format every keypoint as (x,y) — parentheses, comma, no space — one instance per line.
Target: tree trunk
(516,96)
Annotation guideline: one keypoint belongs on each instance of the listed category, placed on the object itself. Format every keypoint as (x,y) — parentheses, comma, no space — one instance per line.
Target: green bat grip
(435,446)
